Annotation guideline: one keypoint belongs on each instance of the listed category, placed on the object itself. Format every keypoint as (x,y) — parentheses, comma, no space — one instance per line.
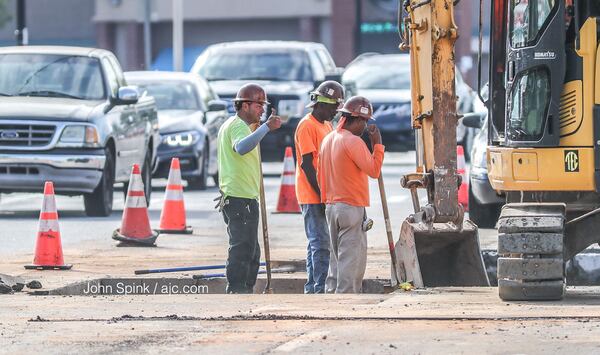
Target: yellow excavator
(544,139)
(544,135)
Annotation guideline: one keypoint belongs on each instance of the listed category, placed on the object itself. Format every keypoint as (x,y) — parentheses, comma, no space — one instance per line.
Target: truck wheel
(99,203)
(484,216)
(200,182)
(147,177)
(530,250)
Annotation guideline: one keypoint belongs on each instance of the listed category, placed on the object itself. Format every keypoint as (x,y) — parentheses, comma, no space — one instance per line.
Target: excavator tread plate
(534,269)
(511,290)
(532,217)
(533,209)
(546,224)
(530,243)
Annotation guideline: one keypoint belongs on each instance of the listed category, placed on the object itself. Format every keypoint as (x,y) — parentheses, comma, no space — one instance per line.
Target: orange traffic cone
(287,202)
(135,227)
(48,248)
(172,217)
(463,190)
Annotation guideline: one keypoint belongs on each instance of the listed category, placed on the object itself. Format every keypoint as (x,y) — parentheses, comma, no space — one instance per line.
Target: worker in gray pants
(345,163)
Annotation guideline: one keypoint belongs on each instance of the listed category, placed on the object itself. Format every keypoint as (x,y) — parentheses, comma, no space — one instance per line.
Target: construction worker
(311,130)
(344,164)
(239,182)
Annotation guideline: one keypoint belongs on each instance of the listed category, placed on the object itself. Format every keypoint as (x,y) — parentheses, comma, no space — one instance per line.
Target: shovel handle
(265,228)
(388,226)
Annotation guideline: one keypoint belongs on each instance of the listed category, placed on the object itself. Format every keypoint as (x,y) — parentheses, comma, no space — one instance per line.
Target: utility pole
(178,35)
(357,33)
(21,31)
(147,35)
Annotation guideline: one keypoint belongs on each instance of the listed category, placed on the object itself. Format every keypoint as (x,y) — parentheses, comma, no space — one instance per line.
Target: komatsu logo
(571,161)
(544,55)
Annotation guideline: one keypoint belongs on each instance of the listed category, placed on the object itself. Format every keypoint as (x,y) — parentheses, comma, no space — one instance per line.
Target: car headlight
(79,136)
(290,108)
(181,139)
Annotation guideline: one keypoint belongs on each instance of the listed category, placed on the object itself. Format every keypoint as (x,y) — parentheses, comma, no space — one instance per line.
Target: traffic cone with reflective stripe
(172,217)
(287,202)
(135,227)
(48,248)
(463,190)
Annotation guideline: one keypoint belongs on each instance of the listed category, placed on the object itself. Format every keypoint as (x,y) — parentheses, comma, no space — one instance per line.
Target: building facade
(346,27)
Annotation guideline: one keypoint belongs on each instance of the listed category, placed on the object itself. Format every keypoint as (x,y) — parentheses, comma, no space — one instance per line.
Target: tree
(4,14)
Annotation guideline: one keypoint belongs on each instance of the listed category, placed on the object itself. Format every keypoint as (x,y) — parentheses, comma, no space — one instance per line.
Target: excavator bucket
(441,255)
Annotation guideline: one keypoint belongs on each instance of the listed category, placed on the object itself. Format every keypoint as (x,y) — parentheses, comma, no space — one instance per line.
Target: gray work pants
(348,258)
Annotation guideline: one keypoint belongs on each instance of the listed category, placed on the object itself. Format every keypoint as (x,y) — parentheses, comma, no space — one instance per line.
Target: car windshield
(173,95)
(379,75)
(283,65)
(51,75)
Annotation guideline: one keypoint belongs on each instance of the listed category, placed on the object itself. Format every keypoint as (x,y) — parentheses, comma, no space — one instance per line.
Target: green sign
(378,27)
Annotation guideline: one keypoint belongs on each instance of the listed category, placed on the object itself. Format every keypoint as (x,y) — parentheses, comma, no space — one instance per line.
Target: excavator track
(530,249)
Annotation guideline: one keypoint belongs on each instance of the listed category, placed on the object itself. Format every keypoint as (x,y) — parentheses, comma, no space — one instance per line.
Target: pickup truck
(288,70)
(68,116)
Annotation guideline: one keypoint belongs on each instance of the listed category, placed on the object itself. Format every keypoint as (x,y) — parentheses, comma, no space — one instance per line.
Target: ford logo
(9,134)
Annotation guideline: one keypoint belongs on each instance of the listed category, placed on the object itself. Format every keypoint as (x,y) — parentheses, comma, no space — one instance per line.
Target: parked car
(68,116)
(484,202)
(189,117)
(287,70)
(385,80)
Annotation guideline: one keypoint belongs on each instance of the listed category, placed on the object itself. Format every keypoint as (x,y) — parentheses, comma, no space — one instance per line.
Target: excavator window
(528,105)
(528,20)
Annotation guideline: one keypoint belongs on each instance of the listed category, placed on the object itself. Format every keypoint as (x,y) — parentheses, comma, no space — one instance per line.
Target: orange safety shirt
(309,135)
(345,161)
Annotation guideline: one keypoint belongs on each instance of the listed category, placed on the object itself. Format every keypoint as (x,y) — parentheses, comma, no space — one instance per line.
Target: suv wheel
(484,216)
(99,203)
(147,176)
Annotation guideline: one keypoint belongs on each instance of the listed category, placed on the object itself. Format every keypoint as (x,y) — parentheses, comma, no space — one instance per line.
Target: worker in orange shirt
(345,163)
(311,130)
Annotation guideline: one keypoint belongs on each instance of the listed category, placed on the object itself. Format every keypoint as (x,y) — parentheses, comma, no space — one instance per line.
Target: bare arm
(309,170)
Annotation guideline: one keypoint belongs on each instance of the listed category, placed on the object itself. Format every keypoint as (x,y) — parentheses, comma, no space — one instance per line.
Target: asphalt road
(19,212)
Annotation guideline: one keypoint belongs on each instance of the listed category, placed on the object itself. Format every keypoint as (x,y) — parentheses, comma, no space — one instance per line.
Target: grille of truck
(19,170)
(25,135)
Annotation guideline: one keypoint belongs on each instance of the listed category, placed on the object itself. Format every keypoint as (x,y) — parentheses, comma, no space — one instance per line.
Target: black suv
(287,70)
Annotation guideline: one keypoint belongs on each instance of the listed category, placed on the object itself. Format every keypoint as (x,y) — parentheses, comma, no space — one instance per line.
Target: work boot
(235,289)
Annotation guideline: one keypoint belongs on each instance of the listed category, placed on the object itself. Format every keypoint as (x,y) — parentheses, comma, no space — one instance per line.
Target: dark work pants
(241,216)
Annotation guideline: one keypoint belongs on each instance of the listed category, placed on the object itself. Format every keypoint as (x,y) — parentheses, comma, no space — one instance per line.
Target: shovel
(388,229)
(265,228)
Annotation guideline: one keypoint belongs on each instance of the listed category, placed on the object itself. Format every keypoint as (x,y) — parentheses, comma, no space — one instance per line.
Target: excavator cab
(544,139)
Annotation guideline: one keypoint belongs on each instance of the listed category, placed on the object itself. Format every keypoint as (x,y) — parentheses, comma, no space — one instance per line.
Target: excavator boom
(436,247)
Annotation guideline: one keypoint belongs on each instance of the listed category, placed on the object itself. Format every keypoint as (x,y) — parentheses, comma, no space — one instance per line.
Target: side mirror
(217,105)
(127,95)
(474,119)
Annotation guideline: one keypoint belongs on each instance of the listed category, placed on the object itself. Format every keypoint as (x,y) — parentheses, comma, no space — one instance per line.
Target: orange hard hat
(358,106)
(252,92)
(329,92)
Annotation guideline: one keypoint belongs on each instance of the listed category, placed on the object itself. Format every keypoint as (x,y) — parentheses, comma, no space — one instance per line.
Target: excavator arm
(437,247)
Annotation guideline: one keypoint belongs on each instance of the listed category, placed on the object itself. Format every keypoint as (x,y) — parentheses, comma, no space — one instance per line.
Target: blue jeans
(317,251)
